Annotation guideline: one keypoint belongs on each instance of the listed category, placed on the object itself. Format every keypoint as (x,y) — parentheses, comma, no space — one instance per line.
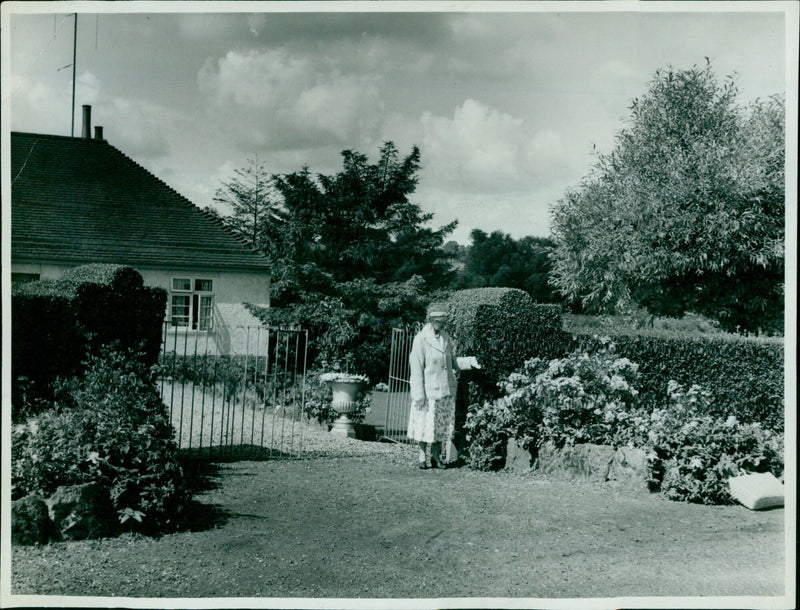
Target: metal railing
(398,405)
(235,390)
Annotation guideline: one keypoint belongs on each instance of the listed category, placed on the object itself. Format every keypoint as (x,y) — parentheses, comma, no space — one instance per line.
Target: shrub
(111,428)
(581,398)
(693,454)
(745,375)
(502,327)
(88,307)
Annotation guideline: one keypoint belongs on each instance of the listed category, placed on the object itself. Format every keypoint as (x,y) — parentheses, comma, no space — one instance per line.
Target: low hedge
(502,327)
(744,374)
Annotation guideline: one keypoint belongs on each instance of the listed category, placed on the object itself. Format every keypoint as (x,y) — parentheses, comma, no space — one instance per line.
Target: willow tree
(686,213)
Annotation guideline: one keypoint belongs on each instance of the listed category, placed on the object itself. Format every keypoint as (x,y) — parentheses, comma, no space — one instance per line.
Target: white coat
(432,366)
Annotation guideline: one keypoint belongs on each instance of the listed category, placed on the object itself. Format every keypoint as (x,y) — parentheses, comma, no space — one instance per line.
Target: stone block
(79,512)
(30,521)
(588,461)
(757,491)
(517,458)
(630,465)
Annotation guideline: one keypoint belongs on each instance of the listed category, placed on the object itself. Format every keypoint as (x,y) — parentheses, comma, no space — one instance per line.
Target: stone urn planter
(346,390)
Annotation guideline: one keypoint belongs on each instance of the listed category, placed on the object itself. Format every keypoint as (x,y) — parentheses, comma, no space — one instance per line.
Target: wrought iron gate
(235,390)
(398,403)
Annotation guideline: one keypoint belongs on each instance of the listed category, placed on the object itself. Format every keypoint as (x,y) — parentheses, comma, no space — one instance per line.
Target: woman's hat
(437,310)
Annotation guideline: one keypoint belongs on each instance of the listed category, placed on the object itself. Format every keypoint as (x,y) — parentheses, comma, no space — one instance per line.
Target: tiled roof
(79,200)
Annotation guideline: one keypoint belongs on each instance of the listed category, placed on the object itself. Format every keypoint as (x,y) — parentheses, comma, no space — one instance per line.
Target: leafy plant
(692,454)
(110,427)
(582,398)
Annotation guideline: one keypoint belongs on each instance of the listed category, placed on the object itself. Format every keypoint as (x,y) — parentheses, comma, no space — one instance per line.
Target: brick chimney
(87,122)
(98,132)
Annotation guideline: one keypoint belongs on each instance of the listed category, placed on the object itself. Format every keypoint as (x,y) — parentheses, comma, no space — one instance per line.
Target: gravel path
(359,521)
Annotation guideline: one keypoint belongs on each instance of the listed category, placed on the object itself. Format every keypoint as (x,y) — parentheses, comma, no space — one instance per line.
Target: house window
(191,303)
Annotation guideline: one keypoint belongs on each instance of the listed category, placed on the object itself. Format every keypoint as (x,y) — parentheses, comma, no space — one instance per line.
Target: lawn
(360,521)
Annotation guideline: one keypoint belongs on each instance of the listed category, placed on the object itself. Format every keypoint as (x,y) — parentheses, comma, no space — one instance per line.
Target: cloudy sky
(505,106)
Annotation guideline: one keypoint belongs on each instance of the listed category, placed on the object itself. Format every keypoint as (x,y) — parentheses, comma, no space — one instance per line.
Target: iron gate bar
(282,378)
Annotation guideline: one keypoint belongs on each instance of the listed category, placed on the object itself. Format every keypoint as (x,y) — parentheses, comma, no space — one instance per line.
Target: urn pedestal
(345,395)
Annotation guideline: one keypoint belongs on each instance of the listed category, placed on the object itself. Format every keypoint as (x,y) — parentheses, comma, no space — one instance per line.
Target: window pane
(181,284)
(179,311)
(203,285)
(206,312)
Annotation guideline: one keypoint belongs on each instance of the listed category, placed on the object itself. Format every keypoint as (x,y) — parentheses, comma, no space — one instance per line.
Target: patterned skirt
(434,421)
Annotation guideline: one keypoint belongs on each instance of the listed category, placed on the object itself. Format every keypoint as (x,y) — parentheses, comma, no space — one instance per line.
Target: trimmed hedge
(502,328)
(744,374)
(55,323)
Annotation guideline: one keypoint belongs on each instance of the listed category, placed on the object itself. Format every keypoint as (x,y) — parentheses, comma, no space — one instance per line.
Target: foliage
(487,431)
(109,427)
(501,327)
(744,374)
(340,376)
(319,396)
(687,211)
(256,210)
(581,398)
(88,307)
(499,260)
(589,398)
(356,224)
(692,454)
(352,331)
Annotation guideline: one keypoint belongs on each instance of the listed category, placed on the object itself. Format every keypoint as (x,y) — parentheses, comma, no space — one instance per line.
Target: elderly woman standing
(433,389)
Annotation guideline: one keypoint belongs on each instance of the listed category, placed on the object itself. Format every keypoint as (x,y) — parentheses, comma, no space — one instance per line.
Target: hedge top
(116,277)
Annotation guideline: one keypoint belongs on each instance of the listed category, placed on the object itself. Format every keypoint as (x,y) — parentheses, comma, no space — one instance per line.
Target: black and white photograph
(394,304)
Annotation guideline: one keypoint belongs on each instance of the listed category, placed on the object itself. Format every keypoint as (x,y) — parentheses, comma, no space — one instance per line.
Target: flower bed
(591,399)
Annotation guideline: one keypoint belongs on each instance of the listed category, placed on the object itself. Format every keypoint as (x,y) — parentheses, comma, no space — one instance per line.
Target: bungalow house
(80,200)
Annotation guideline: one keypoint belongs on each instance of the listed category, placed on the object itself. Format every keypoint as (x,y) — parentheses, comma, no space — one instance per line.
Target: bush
(111,428)
(502,327)
(88,307)
(745,375)
(693,454)
(581,398)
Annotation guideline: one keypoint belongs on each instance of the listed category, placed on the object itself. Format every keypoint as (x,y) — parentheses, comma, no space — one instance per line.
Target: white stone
(757,491)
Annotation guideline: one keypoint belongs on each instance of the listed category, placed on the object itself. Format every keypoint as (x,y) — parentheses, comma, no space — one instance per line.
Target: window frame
(199,317)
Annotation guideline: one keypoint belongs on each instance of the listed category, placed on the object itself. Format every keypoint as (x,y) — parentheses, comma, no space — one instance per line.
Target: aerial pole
(74,47)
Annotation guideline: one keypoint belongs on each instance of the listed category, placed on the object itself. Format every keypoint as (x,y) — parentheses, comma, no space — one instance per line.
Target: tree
(359,224)
(687,211)
(257,215)
(497,259)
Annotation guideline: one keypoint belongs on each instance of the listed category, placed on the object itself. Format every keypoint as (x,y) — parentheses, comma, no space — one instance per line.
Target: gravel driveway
(360,521)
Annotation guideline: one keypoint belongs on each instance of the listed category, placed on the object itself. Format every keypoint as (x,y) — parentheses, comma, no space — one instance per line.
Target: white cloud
(479,148)
(283,100)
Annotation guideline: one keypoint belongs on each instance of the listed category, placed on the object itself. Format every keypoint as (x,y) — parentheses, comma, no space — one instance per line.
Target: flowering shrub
(692,454)
(578,399)
(110,427)
(589,398)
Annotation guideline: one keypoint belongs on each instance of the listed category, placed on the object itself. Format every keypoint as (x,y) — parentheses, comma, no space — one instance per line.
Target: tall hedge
(744,374)
(55,323)
(502,327)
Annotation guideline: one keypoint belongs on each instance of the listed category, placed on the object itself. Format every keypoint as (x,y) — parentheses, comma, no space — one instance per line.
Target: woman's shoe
(423,466)
(440,466)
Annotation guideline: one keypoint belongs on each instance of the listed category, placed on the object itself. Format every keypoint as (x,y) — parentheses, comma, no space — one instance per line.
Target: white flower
(339,376)
(731,421)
